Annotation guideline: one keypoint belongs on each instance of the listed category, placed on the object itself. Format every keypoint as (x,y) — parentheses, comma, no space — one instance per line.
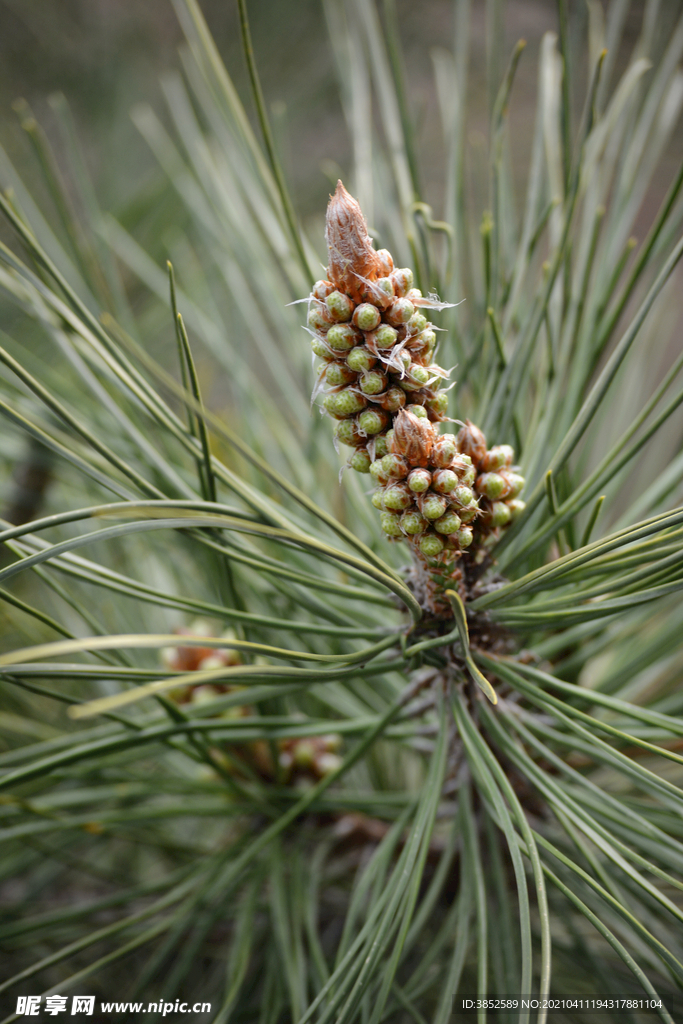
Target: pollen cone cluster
(446,494)
(301,759)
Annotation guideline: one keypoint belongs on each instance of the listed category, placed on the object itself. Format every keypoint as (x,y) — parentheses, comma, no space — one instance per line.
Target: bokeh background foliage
(534,846)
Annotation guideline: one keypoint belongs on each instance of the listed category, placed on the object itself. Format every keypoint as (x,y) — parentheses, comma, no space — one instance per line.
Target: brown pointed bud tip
(471,441)
(352,258)
(413,438)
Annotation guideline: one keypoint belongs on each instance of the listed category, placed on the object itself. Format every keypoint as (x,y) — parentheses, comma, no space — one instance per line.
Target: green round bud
(465,536)
(366,317)
(398,497)
(428,339)
(338,373)
(516,508)
(320,349)
(416,377)
(493,460)
(500,514)
(342,337)
(373,382)
(444,481)
(444,451)
(360,461)
(469,475)
(373,421)
(515,482)
(432,506)
(381,446)
(395,466)
(414,294)
(430,545)
(388,439)
(417,323)
(419,480)
(330,406)
(360,359)
(376,499)
(318,318)
(391,524)
(384,337)
(377,472)
(344,403)
(303,753)
(402,281)
(383,289)
(340,306)
(413,523)
(400,312)
(462,494)
(393,399)
(321,289)
(346,432)
(438,404)
(449,523)
(498,457)
(492,486)
(417,410)
(469,513)
(423,347)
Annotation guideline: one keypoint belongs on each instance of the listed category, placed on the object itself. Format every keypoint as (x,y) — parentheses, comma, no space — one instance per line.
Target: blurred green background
(108,55)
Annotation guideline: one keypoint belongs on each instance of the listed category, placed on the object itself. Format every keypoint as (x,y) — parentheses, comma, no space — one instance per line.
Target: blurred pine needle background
(230,769)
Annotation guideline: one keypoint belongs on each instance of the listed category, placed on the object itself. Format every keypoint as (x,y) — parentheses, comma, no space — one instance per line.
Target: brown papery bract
(413,438)
(352,260)
(471,441)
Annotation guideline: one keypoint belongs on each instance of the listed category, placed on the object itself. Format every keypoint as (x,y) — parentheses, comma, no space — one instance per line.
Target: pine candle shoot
(446,495)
